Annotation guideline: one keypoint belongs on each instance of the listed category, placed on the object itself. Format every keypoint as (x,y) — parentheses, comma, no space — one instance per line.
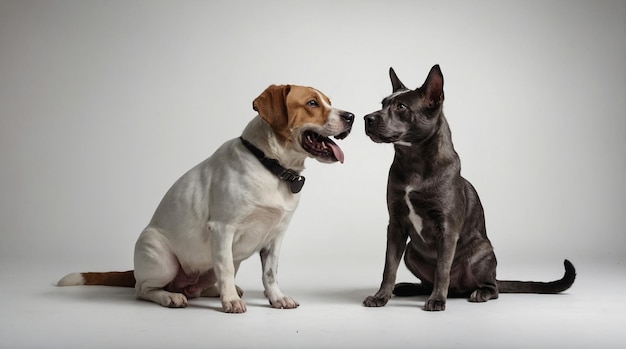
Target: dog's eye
(400,106)
(312,103)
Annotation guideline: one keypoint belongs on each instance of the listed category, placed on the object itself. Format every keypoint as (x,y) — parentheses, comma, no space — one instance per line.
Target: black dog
(433,206)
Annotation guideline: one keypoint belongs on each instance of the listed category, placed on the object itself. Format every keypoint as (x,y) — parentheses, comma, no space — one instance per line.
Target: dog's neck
(259,133)
(431,156)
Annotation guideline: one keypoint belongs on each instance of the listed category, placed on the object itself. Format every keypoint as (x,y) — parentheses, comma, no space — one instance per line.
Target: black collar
(295,180)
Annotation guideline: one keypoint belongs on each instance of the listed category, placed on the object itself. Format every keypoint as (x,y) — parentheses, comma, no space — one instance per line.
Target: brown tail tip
(112,278)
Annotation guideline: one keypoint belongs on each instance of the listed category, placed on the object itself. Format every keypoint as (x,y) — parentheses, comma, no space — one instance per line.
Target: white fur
(414,218)
(403,143)
(334,119)
(215,216)
(73,279)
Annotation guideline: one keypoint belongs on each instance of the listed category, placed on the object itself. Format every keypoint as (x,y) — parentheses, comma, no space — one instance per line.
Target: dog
(433,207)
(237,202)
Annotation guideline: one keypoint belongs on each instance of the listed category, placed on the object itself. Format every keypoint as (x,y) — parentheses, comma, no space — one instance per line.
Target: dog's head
(304,117)
(408,116)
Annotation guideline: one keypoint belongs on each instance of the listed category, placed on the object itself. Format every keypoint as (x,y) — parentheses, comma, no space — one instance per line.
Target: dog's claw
(176,300)
(482,295)
(375,301)
(284,303)
(236,307)
(435,305)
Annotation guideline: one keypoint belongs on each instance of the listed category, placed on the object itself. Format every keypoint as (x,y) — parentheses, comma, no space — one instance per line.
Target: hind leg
(419,267)
(484,270)
(155,267)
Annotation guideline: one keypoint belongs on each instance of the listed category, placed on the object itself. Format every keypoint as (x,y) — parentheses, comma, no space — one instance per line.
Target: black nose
(369,119)
(347,117)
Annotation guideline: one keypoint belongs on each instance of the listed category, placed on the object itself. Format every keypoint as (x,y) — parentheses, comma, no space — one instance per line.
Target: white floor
(37,314)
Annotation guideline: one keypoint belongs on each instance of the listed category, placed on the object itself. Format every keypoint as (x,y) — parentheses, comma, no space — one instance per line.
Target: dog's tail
(405,289)
(111,278)
(507,286)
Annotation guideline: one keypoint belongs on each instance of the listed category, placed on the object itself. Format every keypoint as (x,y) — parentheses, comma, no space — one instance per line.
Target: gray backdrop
(103,105)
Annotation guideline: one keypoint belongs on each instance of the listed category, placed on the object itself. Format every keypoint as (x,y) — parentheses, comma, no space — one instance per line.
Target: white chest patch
(403,143)
(414,218)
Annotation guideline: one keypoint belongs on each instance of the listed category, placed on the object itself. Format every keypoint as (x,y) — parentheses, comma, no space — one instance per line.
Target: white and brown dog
(237,202)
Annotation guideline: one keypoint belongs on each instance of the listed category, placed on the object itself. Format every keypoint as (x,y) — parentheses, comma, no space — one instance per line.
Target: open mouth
(322,147)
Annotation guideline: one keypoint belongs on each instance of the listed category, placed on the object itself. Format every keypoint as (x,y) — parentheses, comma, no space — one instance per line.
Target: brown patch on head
(272,107)
(307,105)
(287,107)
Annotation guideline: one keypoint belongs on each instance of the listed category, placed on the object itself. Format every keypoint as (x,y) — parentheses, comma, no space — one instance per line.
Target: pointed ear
(433,87)
(396,84)
(272,106)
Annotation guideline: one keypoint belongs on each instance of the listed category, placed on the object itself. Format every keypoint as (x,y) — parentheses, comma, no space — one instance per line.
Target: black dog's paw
(482,295)
(375,301)
(435,305)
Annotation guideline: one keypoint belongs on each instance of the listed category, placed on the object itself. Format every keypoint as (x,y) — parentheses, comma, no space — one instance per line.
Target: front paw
(236,306)
(174,300)
(376,301)
(435,304)
(284,303)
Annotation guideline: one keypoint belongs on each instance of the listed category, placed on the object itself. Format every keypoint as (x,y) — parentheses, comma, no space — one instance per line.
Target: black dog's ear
(395,82)
(433,87)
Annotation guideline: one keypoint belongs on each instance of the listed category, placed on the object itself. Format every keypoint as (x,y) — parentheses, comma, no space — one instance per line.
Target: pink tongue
(337,151)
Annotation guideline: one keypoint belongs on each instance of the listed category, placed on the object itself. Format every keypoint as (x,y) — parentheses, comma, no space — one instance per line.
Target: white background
(104,104)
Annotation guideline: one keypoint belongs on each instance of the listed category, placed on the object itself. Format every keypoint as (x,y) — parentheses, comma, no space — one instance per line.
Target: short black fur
(433,207)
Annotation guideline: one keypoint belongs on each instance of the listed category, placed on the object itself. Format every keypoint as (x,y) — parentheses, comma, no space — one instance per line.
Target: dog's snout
(347,117)
(372,126)
(369,119)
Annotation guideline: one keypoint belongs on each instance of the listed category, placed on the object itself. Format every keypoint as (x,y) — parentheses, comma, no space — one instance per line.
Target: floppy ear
(395,82)
(272,107)
(433,87)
